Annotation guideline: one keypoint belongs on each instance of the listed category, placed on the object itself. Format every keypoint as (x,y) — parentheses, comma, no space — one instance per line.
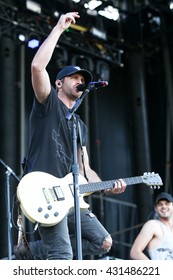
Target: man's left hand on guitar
(119,187)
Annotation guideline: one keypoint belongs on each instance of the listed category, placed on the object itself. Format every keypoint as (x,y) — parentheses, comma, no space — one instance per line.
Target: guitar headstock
(152,179)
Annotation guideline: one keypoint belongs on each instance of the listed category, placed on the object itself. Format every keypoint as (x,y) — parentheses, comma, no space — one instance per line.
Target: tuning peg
(154,187)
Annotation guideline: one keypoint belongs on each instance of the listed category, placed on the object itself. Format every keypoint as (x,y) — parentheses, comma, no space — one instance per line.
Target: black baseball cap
(165,196)
(70,70)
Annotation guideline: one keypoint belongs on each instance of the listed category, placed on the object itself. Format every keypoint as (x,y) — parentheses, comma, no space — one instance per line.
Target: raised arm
(40,77)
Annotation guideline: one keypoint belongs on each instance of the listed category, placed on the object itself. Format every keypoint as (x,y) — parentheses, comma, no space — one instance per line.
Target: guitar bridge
(59,193)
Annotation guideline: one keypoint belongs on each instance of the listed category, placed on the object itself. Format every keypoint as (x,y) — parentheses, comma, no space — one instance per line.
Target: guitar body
(46,199)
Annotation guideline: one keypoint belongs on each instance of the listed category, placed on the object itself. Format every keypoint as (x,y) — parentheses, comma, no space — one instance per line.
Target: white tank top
(164,251)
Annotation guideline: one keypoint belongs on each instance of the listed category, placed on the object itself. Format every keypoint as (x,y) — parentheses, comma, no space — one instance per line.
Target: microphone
(92,85)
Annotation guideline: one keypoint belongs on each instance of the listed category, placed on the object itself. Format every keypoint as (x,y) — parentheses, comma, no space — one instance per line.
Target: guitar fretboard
(92,187)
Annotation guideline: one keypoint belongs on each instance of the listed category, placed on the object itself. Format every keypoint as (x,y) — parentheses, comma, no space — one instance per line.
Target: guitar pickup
(59,193)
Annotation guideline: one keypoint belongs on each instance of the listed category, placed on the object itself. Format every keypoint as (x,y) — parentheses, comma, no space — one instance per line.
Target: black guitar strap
(82,152)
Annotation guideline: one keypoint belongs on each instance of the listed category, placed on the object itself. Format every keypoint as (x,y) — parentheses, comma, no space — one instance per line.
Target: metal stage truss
(15,19)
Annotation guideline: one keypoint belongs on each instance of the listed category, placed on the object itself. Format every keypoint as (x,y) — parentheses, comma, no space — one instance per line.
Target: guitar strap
(82,152)
(22,239)
(21,234)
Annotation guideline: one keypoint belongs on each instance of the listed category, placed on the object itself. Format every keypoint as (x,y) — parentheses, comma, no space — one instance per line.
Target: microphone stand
(8,172)
(75,172)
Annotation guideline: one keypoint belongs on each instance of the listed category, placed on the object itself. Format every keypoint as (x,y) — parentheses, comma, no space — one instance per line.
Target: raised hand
(66,19)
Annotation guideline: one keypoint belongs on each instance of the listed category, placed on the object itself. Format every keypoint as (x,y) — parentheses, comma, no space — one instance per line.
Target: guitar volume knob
(40,209)
(56,214)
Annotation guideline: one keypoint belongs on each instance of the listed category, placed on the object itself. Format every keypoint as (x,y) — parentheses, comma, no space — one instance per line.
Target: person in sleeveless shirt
(156,235)
(51,148)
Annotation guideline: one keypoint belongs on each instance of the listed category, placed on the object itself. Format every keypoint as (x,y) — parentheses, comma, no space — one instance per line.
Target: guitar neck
(92,187)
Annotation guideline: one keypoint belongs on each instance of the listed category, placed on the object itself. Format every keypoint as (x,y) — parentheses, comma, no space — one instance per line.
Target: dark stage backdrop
(126,123)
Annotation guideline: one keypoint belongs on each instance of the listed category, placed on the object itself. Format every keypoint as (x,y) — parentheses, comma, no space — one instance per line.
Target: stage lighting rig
(33,6)
(96,32)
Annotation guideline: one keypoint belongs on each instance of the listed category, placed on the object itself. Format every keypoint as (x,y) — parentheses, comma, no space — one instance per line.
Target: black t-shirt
(51,145)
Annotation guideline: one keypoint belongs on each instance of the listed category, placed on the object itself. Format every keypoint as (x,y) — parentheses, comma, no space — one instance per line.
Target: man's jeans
(59,241)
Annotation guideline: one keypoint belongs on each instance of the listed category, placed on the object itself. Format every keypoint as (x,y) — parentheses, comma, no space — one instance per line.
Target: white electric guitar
(46,199)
